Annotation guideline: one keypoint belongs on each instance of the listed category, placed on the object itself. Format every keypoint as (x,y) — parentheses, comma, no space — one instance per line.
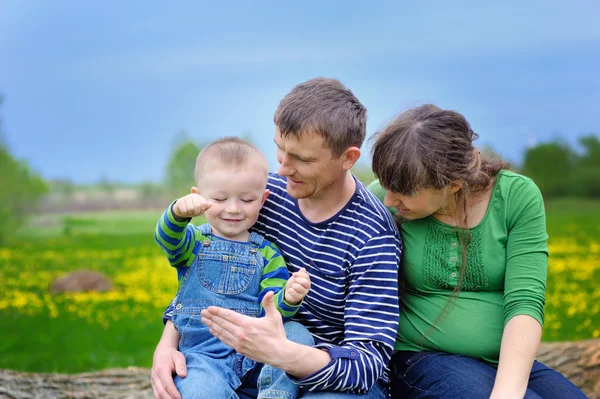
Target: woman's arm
(520,341)
(524,288)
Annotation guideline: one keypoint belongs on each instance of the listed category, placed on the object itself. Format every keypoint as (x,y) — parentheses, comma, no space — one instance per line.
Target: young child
(221,263)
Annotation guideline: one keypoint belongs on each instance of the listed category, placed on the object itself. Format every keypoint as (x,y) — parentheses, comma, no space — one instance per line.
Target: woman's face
(423,203)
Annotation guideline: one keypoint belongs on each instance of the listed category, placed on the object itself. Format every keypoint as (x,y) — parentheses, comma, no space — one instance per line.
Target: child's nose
(233,207)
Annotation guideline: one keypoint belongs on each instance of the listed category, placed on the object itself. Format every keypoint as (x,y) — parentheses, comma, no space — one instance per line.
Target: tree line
(558,169)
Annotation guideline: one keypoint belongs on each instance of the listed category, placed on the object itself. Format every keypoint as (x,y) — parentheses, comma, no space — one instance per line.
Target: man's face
(308,165)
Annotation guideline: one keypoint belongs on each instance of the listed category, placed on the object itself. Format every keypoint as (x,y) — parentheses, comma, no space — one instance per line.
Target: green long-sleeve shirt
(506,272)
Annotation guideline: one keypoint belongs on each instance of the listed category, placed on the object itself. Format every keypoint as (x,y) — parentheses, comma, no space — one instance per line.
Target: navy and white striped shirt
(352,259)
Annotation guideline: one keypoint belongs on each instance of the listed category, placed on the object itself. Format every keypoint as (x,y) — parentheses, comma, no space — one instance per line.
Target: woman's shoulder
(514,183)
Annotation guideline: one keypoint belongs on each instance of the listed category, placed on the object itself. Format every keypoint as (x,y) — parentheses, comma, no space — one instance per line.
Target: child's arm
(274,278)
(297,287)
(173,232)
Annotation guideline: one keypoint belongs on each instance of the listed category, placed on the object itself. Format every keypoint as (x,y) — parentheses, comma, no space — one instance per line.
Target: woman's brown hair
(429,147)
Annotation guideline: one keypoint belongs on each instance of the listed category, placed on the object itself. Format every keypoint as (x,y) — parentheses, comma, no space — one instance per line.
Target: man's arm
(166,361)
(371,321)
(371,315)
(263,339)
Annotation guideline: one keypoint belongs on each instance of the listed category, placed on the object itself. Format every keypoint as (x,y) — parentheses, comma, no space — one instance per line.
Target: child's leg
(274,383)
(207,378)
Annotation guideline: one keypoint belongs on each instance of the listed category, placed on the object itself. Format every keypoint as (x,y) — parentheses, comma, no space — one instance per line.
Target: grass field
(91,331)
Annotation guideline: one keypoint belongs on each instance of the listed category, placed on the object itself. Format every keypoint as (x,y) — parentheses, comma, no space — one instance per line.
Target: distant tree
(586,178)
(107,186)
(363,173)
(20,193)
(149,192)
(551,166)
(64,187)
(179,173)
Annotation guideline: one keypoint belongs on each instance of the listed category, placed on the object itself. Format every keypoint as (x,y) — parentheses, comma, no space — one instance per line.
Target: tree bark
(579,361)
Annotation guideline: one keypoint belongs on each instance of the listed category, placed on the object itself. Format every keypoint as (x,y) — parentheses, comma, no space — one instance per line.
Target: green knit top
(507,263)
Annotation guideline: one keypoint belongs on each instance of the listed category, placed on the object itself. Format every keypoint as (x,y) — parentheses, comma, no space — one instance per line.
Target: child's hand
(297,287)
(191,205)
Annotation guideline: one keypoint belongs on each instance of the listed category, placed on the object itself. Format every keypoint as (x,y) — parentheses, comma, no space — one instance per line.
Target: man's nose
(284,167)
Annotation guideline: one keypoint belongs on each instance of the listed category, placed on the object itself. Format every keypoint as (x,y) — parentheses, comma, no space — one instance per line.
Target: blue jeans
(417,375)
(273,383)
(236,376)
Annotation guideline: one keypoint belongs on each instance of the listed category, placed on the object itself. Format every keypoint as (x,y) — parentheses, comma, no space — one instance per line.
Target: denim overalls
(226,274)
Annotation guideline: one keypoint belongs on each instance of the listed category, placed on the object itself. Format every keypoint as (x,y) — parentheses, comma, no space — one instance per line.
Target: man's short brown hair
(327,107)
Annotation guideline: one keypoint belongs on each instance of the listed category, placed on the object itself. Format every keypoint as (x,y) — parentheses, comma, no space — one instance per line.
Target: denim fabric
(227,274)
(417,375)
(378,391)
(275,384)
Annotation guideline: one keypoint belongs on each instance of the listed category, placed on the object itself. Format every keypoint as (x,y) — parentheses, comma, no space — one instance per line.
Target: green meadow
(75,332)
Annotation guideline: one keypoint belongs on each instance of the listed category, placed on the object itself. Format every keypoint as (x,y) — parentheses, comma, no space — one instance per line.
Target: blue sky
(102,88)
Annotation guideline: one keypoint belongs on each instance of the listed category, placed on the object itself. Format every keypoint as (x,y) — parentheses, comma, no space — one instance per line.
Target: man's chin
(295,193)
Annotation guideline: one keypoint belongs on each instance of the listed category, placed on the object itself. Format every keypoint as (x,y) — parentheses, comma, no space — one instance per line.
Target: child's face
(237,195)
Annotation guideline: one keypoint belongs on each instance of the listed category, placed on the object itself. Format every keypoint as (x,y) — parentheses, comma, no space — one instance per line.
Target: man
(323,220)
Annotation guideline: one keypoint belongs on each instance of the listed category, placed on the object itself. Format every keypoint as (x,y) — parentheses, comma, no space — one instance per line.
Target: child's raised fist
(191,205)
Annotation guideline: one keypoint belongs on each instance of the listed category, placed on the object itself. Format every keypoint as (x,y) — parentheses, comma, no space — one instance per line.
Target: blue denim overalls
(226,274)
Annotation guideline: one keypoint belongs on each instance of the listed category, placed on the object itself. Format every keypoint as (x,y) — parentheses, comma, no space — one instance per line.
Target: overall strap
(256,238)
(205,230)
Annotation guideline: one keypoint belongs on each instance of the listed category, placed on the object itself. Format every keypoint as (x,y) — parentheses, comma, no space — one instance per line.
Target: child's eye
(219,199)
(247,200)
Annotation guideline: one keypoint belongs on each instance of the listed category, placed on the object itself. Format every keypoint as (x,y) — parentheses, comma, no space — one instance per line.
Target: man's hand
(167,361)
(261,339)
(297,287)
(191,205)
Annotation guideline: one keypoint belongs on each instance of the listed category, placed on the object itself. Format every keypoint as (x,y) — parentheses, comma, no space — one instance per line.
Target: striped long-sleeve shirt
(352,307)
(178,239)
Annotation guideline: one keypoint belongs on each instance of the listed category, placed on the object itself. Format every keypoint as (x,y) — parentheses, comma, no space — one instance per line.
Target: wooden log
(579,361)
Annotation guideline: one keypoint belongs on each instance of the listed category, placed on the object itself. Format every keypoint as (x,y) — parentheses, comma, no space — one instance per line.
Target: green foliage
(179,173)
(560,171)
(21,190)
(363,173)
(86,332)
(64,187)
(550,165)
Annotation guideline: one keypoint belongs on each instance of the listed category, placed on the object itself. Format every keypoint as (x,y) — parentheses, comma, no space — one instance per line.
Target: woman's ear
(454,186)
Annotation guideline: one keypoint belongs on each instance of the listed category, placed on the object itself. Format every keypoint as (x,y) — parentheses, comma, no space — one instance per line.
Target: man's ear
(265,195)
(349,157)
(194,190)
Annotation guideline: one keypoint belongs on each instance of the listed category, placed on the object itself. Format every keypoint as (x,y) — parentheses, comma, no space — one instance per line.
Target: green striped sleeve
(176,238)
(274,277)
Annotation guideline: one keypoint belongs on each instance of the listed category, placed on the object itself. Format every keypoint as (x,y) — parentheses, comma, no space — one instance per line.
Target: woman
(474,264)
